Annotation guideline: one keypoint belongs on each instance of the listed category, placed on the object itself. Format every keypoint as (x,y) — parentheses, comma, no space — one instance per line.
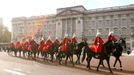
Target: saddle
(95,48)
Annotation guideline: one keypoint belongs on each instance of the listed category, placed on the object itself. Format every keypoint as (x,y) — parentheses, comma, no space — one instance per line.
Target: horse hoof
(87,66)
(111,72)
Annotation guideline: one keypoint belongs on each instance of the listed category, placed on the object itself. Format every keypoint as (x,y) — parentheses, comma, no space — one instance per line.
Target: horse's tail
(84,54)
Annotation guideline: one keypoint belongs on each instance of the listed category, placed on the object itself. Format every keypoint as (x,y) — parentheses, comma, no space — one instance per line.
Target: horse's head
(122,42)
(83,43)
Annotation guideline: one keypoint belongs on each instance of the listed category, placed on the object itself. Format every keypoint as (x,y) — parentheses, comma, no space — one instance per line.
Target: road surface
(10,65)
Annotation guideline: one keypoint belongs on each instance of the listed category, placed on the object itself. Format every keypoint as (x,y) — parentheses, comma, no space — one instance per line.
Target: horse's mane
(107,47)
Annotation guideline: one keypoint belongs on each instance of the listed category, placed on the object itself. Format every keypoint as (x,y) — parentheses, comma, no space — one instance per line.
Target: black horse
(78,49)
(53,50)
(11,50)
(67,54)
(107,49)
(34,50)
(120,45)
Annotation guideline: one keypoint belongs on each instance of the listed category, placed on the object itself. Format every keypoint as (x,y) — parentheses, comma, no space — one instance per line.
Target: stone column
(79,26)
(59,28)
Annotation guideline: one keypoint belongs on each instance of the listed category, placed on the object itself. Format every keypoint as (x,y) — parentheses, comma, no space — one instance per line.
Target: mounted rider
(26,44)
(48,43)
(32,42)
(22,44)
(111,37)
(18,45)
(12,45)
(65,43)
(98,43)
(74,41)
(66,39)
(57,42)
(41,45)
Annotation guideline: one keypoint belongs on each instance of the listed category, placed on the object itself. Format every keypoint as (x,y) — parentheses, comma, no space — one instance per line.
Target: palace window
(78,21)
(124,22)
(124,31)
(106,31)
(132,21)
(116,31)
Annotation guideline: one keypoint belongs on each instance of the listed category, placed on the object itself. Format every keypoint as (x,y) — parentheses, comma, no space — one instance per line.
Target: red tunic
(65,41)
(69,40)
(41,45)
(17,45)
(98,40)
(63,48)
(57,42)
(29,47)
(111,38)
(12,45)
(32,43)
(47,45)
(49,42)
(74,40)
(42,42)
(26,45)
(98,43)
(64,45)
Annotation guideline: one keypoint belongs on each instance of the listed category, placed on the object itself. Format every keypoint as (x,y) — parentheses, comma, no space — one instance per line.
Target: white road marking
(14,72)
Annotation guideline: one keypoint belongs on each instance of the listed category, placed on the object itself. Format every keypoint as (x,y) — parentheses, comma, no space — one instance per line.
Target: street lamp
(131,42)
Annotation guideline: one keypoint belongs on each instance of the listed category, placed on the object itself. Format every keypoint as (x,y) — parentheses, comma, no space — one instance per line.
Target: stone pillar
(79,26)
(59,28)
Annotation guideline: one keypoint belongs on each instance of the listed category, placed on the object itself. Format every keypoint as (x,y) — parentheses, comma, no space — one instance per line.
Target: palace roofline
(72,7)
(111,9)
(90,11)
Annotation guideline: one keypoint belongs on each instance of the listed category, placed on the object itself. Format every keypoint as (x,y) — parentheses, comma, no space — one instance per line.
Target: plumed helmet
(74,35)
(11,41)
(98,33)
(110,33)
(42,38)
(49,38)
(56,38)
(66,35)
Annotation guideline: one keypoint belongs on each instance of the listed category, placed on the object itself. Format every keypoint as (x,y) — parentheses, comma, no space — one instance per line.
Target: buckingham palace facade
(83,22)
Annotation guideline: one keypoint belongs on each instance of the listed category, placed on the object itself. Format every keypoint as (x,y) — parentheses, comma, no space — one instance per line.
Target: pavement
(131,54)
(11,65)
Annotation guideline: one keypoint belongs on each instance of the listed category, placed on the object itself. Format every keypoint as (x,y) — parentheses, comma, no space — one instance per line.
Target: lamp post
(131,42)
